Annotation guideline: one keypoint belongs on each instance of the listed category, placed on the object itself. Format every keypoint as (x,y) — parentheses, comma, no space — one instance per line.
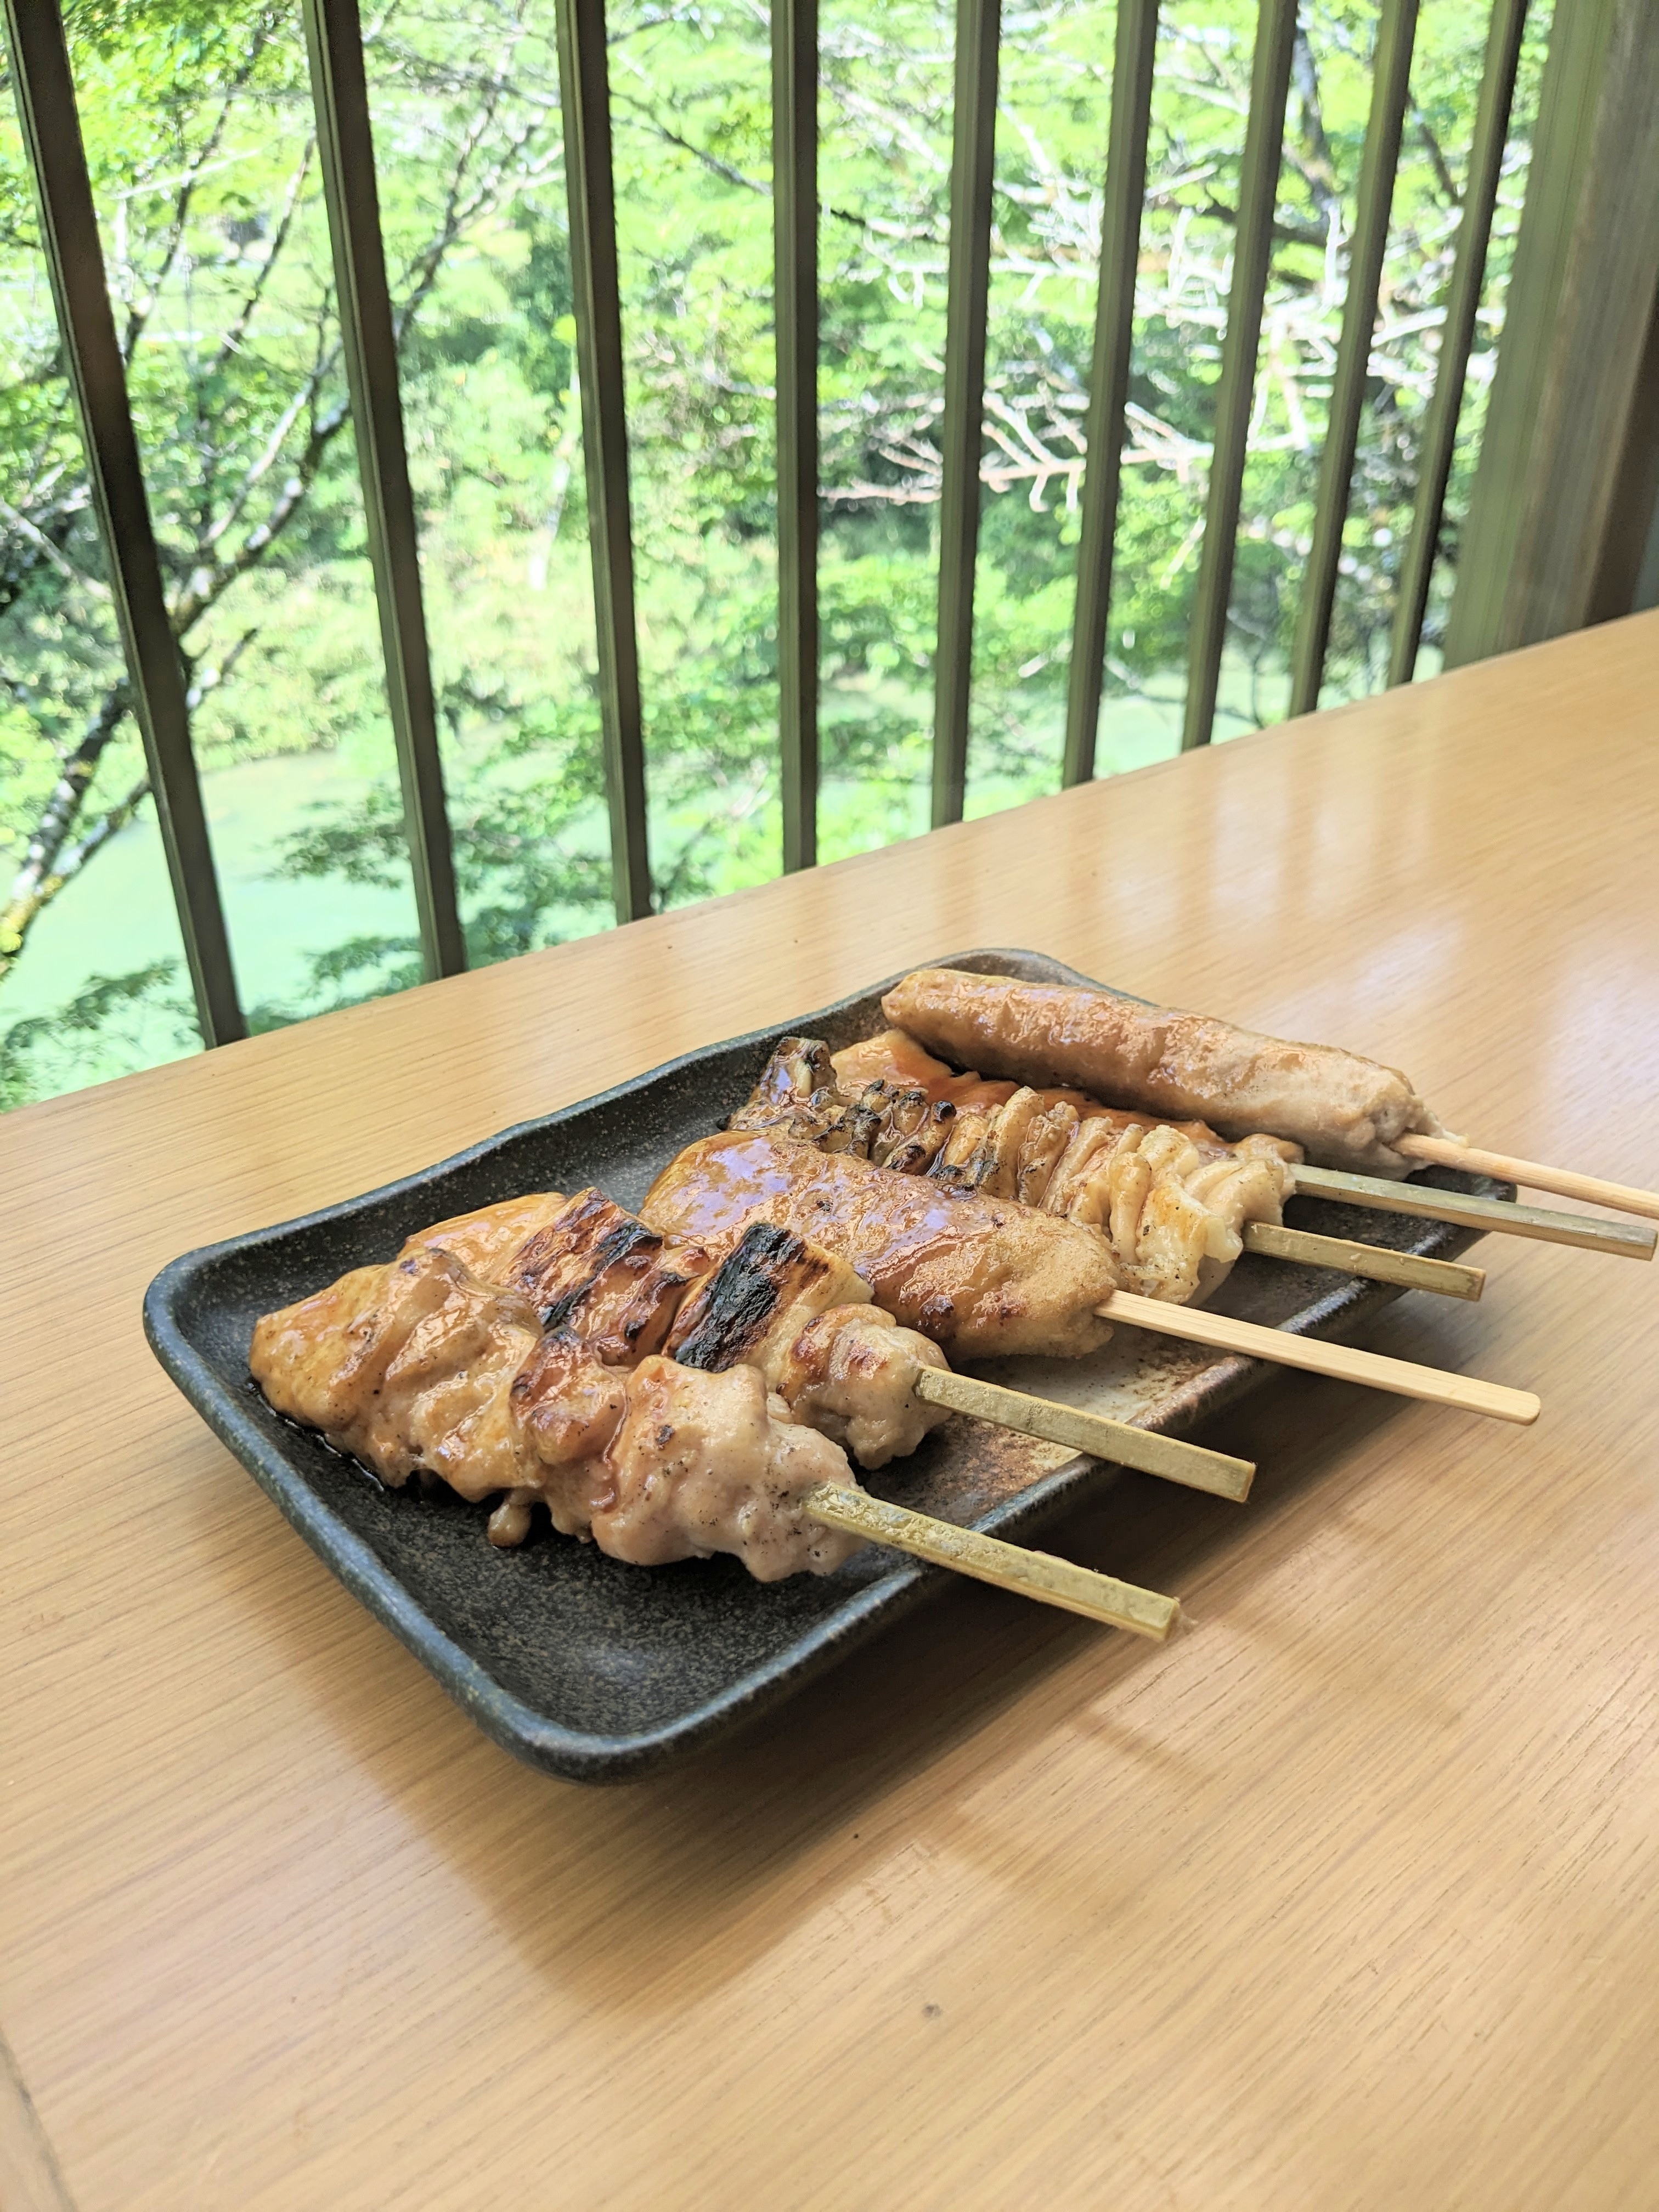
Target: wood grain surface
(1346,1898)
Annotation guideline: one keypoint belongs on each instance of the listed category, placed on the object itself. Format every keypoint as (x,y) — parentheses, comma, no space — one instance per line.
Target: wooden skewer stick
(1118,1441)
(1343,1361)
(1625,1239)
(1374,1261)
(1037,1574)
(1565,1182)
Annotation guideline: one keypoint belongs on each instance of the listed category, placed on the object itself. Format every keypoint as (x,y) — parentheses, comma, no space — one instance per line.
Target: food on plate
(417,1368)
(1172,1199)
(1344,1110)
(768,1299)
(983,1277)
(548,1380)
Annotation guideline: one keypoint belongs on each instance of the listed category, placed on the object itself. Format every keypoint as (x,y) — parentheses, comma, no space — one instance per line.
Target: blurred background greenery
(197,122)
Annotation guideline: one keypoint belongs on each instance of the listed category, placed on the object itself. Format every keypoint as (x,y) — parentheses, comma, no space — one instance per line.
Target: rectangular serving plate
(600,1671)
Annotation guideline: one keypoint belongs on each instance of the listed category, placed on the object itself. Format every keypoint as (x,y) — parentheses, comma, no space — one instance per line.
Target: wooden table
(1345,1898)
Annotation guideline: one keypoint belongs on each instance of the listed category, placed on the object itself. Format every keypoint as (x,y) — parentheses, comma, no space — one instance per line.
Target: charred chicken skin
(775,1302)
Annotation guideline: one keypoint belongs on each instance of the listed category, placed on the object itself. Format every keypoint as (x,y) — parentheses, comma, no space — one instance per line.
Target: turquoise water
(120,917)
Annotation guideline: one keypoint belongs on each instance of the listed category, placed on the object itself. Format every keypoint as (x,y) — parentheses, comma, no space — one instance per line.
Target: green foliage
(92,1036)
(197,121)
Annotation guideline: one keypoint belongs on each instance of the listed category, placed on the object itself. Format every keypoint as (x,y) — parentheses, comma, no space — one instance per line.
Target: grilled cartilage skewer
(418,1367)
(981,1276)
(784,1304)
(1344,1110)
(1177,1203)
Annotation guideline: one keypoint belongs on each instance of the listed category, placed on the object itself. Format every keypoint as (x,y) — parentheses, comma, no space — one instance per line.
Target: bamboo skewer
(1375,1261)
(1191,1465)
(1563,1183)
(1623,1238)
(1346,1362)
(1037,1574)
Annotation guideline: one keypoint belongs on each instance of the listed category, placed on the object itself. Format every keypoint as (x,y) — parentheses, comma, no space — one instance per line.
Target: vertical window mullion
(795,232)
(1264,135)
(585,105)
(1108,376)
(1379,164)
(1491,125)
(345,142)
(45,90)
(973,154)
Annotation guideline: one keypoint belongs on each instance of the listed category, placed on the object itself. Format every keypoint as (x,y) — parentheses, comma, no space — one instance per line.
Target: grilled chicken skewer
(418,1368)
(986,1277)
(785,1305)
(1177,1203)
(421,1367)
(1346,1112)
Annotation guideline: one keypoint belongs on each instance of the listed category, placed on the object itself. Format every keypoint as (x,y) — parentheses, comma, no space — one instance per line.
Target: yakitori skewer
(1628,1240)
(901,1067)
(1344,1110)
(419,1367)
(986,1277)
(780,1302)
(511,1349)
(1037,1575)
(1177,1203)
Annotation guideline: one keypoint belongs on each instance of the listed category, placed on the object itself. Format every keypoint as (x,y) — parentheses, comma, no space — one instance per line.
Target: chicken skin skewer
(1177,1203)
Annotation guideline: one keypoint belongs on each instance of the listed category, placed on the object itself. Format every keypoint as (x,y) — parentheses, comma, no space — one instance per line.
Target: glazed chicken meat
(417,1368)
(984,1278)
(1344,1110)
(546,1377)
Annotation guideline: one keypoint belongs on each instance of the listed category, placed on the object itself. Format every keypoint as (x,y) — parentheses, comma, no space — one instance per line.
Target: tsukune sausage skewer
(1345,1111)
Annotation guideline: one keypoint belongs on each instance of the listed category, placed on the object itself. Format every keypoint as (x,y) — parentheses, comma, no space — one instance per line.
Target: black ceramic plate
(597,1670)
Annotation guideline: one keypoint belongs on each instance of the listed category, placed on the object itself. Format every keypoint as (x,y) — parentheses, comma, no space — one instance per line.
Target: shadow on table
(704,1856)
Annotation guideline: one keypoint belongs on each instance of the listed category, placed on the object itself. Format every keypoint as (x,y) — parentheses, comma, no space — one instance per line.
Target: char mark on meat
(631,1247)
(727,1320)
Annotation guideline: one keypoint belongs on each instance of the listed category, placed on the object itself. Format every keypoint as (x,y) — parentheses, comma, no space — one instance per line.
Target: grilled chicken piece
(804,1319)
(624,1291)
(483,1240)
(595,1258)
(416,1367)
(895,1058)
(409,1368)
(851,1374)
(977,1275)
(1345,1110)
(693,1463)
